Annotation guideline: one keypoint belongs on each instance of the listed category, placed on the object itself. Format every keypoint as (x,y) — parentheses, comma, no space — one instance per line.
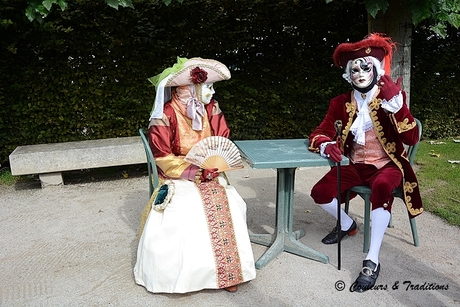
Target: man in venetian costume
(376,125)
(200,240)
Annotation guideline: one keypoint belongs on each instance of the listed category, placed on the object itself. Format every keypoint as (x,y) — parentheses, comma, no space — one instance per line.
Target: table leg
(284,239)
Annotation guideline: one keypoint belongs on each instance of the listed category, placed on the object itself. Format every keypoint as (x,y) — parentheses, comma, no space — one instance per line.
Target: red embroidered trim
(222,234)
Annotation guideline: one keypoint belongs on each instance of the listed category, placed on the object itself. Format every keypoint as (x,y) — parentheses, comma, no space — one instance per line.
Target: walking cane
(338,132)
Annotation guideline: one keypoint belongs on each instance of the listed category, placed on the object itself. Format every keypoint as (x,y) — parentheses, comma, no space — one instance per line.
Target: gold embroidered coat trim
(343,107)
(312,144)
(390,149)
(404,125)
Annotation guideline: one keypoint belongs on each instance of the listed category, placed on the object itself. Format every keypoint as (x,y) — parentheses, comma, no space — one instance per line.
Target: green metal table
(285,155)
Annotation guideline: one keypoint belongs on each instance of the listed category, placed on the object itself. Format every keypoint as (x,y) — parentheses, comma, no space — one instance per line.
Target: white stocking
(331,208)
(380,219)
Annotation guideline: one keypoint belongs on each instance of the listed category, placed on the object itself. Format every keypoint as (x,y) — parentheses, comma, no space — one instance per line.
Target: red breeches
(381,181)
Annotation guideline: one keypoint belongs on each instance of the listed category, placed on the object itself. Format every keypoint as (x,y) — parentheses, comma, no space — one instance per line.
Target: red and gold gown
(201,240)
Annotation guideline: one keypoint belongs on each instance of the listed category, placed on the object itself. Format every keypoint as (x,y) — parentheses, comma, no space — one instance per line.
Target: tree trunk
(396,23)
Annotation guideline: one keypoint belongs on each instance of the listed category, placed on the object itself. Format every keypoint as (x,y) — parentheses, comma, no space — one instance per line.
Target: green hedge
(83,73)
(435,82)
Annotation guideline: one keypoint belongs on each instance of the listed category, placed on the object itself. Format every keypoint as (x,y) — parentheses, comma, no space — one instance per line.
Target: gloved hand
(209,174)
(388,88)
(333,153)
(392,101)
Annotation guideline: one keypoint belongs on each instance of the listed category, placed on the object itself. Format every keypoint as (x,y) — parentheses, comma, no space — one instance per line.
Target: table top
(285,153)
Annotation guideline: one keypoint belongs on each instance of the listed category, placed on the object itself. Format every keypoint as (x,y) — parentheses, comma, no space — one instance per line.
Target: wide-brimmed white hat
(185,72)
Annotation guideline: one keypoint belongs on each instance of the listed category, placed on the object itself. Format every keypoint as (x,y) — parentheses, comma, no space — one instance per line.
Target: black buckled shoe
(367,277)
(333,236)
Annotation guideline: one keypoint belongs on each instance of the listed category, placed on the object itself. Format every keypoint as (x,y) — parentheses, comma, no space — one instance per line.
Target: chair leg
(150,185)
(367,219)
(347,201)
(390,223)
(413,227)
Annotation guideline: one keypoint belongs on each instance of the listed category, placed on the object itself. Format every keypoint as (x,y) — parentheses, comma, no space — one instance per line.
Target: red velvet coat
(392,130)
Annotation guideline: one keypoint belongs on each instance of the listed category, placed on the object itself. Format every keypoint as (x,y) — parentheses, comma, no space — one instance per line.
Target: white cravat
(363,122)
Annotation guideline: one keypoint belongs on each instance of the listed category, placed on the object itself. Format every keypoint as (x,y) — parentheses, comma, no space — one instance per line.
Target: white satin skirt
(177,248)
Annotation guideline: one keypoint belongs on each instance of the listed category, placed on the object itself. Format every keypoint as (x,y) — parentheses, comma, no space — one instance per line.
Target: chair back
(151,166)
(412,150)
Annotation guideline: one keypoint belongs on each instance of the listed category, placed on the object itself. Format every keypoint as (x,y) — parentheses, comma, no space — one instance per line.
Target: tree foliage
(438,14)
(435,80)
(39,9)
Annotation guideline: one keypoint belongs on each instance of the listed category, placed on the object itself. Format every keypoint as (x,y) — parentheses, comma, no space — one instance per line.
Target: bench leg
(51,179)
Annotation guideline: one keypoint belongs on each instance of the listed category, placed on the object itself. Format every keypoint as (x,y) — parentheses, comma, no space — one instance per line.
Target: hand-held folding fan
(215,152)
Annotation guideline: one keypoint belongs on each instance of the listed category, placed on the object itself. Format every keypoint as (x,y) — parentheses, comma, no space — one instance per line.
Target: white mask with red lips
(363,73)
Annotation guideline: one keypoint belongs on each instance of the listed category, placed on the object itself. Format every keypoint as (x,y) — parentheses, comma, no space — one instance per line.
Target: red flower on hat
(198,75)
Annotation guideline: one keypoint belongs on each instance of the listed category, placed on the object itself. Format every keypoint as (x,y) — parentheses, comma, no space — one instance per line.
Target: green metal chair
(365,193)
(151,166)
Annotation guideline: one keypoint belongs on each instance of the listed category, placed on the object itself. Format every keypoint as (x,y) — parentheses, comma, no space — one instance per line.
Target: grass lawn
(438,172)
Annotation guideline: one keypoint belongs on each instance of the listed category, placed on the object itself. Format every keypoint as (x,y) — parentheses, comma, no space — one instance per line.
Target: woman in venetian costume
(200,240)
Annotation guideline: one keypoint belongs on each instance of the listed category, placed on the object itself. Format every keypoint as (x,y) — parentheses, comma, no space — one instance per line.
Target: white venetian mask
(361,72)
(206,92)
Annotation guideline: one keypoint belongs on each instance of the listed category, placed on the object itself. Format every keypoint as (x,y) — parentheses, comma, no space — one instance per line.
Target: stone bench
(50,160)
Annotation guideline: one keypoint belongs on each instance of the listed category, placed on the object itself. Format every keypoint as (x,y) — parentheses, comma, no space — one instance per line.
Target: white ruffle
(363,122)
(394,104)
(322,147)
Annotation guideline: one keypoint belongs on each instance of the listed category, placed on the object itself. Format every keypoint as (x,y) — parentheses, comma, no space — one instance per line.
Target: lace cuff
(322,147)
(394,104)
